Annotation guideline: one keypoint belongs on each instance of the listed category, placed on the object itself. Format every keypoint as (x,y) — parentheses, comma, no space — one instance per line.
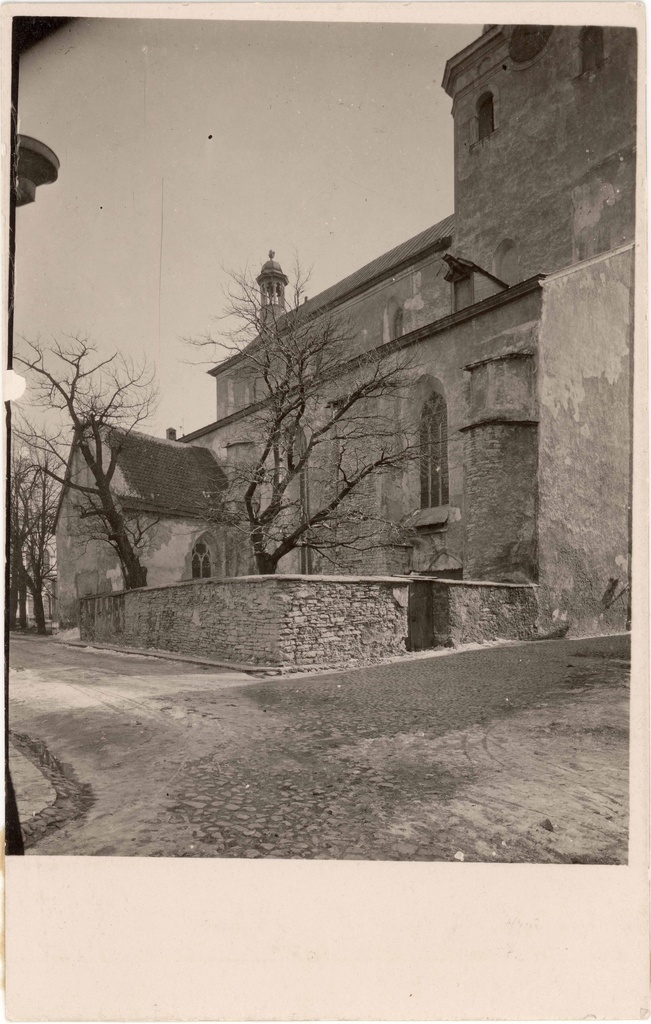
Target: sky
(189,148)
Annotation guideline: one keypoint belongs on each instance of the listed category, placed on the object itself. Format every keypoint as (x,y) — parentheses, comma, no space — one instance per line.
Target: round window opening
(527,41)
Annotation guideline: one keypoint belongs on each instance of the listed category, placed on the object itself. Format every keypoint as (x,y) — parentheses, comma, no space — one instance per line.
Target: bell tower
(544,121)
(272,284)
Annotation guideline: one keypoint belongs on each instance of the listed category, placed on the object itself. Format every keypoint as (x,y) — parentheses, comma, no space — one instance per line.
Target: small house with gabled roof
(171,493)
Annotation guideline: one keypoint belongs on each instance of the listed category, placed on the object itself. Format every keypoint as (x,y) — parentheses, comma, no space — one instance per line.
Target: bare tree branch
(319,417)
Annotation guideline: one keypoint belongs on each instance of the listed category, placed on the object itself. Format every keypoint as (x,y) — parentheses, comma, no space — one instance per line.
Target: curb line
(171,656)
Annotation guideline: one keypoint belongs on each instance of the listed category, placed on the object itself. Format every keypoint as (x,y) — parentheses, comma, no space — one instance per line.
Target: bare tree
(34,499)
(100,402)
(18,528)
(323,425)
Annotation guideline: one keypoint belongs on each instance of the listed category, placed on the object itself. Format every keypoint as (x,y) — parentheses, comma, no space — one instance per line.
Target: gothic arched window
(485,116)
(592,48)
(434,487)
(201,562)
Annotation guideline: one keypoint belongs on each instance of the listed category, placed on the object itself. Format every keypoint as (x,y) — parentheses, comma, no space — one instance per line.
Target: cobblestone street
(512,753)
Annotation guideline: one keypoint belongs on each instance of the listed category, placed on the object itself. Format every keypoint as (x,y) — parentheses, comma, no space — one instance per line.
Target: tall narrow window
(434,487)
(592,48)
(201,567)
(398,321)
(485,116)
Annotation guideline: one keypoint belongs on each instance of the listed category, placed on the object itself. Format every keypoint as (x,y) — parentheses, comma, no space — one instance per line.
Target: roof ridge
(167,442)
(384,262)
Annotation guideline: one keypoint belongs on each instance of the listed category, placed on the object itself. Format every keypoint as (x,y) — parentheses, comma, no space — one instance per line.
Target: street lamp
(36,165)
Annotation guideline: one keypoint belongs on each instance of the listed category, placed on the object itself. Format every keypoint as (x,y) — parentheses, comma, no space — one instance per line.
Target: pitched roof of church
(169,477)
(431,240)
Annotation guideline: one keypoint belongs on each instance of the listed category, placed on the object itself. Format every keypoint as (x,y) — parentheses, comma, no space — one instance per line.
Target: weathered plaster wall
(557,176)
(584,443)
(420,291)
(83,566)
(88,566)
(279,620)
(438,359)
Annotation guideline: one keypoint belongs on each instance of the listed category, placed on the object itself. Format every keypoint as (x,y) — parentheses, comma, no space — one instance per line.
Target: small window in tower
(278,290)
(485,116)
(592,48)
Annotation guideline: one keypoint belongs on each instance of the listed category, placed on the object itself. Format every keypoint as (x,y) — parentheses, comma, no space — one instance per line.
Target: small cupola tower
(272,283)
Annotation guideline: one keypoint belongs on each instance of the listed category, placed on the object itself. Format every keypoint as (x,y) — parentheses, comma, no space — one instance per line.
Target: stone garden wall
(274,620)
(473,612)
(304,620)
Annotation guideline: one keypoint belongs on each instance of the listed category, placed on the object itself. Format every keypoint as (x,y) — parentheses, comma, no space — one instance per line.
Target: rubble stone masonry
(275,620)
(304,620)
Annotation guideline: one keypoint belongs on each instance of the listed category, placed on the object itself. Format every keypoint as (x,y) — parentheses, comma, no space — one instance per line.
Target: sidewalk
(33,791)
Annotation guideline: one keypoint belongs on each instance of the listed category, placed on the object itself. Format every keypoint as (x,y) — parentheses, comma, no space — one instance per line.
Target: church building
(517,310)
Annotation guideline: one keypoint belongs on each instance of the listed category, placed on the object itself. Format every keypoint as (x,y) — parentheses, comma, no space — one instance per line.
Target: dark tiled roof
(432,239)
(169,477)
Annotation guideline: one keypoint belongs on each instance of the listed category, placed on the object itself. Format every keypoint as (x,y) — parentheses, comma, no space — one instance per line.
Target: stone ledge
(501,357)
(499,420)
(475,583)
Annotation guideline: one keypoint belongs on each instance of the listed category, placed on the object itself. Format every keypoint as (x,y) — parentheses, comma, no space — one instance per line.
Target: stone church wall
(500,476)
(585,429)
(438,356)
(420,291)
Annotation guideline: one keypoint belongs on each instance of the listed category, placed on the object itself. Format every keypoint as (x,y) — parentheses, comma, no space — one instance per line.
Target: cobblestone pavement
(514,753)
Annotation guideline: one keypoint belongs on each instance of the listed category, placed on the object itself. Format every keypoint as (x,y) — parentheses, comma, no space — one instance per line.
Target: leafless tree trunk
(22,604)
(39,612)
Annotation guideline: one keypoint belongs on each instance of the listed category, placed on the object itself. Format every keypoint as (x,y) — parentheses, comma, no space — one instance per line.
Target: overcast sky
(188,146)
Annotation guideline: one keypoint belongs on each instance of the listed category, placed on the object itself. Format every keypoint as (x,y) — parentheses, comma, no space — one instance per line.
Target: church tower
(272,284)
(544,131)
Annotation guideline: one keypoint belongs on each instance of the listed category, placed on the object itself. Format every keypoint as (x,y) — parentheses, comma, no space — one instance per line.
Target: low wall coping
(298,578)
(477,583)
